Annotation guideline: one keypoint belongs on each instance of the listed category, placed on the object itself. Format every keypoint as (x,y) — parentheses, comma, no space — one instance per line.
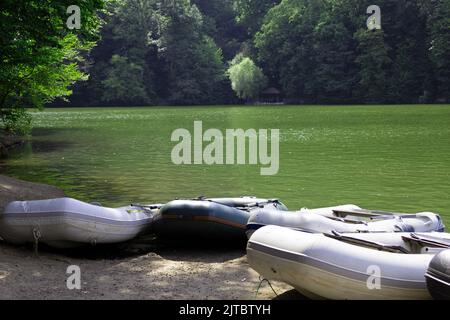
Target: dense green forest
(189,52)
(314,51)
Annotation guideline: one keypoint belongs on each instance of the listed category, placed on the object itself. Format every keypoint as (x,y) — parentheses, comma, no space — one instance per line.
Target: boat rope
(261,280)
(37,236)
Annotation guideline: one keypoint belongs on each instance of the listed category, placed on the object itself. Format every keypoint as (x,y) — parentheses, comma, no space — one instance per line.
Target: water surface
(383,157)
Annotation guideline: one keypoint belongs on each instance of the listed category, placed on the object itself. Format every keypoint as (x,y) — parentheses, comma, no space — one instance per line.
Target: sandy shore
(142,269)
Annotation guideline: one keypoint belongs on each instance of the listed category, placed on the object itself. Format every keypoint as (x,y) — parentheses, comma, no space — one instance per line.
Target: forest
(206,52)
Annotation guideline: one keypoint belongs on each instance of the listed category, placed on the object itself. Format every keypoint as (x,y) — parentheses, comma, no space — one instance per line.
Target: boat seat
(428,240)
(366,243)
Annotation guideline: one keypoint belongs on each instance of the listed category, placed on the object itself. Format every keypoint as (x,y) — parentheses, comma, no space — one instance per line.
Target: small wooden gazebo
(271,95)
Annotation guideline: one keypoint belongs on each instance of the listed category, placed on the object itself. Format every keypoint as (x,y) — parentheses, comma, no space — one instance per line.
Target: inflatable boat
(335,211)
(224,218)
(351,212)
(438,276)
(311,221)
(346,266)
(67,222)
(400,242)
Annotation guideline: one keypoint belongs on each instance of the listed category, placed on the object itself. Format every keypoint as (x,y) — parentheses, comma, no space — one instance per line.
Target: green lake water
(378,157)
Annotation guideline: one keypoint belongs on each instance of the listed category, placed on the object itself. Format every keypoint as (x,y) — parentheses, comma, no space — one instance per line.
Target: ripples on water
(393,158)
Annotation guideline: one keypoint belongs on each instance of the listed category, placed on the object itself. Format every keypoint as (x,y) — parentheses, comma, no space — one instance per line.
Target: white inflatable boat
(327,220)
(350,266)
(67,222)
(353,213)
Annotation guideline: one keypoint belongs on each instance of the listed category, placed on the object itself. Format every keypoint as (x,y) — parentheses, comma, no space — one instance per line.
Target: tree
(125,54)
(404,33)
(439,30)
(374,63)
(288,30)
(316,51)
(219,23)
(335,75)
(247,79)
(132,30)
(325,53)
(40,56)
(124,82)
(251,13)
(164,50)
(193,64)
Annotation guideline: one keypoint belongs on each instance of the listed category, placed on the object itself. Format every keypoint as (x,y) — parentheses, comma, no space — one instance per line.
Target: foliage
(182,40)
(16,120)
(219,23)
(167,56)
(251,13)
(439,26)
(326,54)
(40,56)
(373,61)
(124,82)
(176,51)
(247,79)
(288,31)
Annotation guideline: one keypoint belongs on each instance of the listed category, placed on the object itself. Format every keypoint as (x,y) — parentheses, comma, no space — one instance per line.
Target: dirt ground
(137,270)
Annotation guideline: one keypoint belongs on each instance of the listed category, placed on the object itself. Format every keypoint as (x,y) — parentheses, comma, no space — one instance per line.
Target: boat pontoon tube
(321,267)
(209,218)
(67,222)
(247,201)
(330,212)
(399,242)
(311,222)
(438,276)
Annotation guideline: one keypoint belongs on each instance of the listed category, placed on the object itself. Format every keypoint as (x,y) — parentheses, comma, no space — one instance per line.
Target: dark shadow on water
(36,147)
(46,132)
(74,184)
(46,146)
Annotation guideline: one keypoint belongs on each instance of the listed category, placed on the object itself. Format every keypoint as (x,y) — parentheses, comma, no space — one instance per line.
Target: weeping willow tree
(247,79)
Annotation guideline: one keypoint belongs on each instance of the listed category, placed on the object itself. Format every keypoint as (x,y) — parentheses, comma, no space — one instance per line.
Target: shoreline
(8,142)
(140,269)
(12,189)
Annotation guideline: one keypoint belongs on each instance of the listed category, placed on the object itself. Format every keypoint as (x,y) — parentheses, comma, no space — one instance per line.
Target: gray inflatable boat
(347,266)
(326,220)
(67,222)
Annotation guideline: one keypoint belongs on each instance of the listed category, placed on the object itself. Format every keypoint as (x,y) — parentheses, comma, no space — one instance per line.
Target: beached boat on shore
(438,276)
(318,220)
(212,218)
(346,266)
(67,222)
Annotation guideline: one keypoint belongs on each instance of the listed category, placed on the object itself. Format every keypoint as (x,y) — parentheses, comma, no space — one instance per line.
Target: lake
(378,157)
